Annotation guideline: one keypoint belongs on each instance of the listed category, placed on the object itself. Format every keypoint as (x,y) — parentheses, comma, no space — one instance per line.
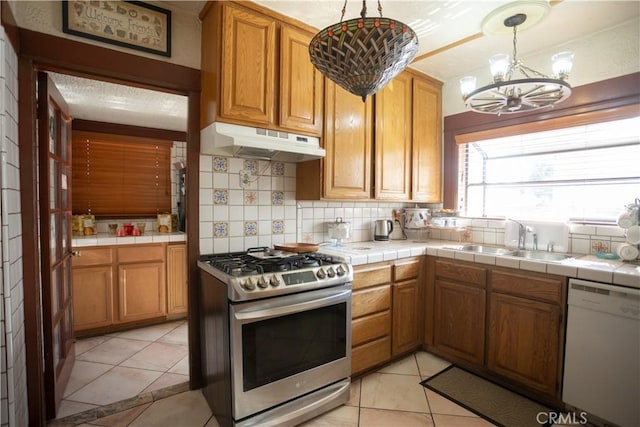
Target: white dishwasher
(602,354)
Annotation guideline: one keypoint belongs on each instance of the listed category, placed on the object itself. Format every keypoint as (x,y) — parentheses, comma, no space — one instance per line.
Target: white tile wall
(12,350)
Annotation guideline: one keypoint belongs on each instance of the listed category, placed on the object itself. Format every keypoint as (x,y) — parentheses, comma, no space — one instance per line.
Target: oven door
(284,347)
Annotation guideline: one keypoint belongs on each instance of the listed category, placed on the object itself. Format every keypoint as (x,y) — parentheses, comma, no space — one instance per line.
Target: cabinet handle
(75,253)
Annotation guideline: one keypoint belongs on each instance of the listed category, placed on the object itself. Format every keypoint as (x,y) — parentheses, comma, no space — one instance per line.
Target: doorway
(105,65)
(115,365)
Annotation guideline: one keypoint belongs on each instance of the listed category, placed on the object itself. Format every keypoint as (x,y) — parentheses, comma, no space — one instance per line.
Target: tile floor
(391,396)
(119,366)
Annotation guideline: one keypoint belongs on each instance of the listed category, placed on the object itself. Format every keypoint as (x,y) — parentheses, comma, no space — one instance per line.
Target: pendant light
(517,88)
(363,54)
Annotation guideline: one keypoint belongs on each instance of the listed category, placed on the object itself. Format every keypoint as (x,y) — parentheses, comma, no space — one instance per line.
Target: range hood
(243,141)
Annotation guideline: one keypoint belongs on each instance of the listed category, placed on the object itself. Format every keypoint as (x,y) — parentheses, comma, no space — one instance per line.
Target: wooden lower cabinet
(371,316)
(118,285)
(525,330)
(177,280)
(459,321)
(407,292)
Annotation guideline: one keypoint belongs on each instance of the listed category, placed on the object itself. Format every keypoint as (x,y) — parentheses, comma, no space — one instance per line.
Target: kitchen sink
(540,255)
(482,249)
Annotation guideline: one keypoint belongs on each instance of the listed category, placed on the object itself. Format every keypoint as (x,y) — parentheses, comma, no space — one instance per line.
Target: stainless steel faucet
(522,234)
(550,246)
(535,241)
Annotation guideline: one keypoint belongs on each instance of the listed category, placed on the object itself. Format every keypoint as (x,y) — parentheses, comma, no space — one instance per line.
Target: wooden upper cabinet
(301,84)
(248,65)
(256,70)
(393,140)
(348,143)
(426,183)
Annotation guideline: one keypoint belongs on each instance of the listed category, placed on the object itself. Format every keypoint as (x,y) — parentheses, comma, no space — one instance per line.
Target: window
(120,176)
(584,173)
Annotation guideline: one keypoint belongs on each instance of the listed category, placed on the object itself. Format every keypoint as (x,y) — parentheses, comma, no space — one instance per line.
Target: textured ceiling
(451,44)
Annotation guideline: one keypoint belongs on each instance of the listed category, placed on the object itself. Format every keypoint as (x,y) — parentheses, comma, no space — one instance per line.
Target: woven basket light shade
(362,55)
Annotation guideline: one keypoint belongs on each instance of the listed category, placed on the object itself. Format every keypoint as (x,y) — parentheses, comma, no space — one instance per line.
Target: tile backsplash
(248,203)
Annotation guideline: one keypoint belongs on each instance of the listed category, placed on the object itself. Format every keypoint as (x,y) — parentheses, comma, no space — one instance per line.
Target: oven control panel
(280,283)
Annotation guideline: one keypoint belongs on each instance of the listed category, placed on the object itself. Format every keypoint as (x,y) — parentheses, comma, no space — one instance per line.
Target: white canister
(339,230)
(416,218)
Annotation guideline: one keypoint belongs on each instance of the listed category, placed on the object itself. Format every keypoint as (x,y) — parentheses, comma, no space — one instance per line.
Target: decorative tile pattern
(250,197)
(277,226)
(251,165)
(250,228)
(220,229)
(220,164)
(220,196)
(277,197)
(598,246)
(277,168)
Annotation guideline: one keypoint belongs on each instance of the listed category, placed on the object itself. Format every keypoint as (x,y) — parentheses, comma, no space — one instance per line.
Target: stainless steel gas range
(275,334)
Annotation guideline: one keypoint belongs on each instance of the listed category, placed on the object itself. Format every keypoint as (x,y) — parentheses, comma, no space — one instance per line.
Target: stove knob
(321,274)
(331,272)
(341,271)
(248,285)
(262,283)
(274,281)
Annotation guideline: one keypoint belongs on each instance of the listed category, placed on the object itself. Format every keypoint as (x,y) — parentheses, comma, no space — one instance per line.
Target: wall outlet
(245,177)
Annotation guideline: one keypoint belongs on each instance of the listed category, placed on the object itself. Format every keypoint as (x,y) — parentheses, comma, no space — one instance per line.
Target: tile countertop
(586,267)
(104,239)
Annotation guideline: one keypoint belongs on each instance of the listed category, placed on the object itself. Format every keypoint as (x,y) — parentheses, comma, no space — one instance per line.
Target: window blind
(120,176)
(585,173)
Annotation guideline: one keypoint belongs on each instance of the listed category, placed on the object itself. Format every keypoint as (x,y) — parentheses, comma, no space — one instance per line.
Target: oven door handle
(291,304)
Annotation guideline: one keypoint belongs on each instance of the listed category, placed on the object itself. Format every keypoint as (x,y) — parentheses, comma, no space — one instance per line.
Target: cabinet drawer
(139,253)
(373,275)
(93,256)
(372,300)
(370,327)
(462,273)
(407,270)
(370,354)
(547,289)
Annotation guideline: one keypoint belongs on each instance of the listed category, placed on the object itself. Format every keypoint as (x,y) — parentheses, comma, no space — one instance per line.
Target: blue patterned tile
(250,228)
(277,226)
(277,197)
(220,229)
(251,165)
(220,196)
(220,164)
(277,169)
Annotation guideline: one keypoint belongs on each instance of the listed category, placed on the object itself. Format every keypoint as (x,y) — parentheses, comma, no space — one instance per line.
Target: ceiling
(451,43)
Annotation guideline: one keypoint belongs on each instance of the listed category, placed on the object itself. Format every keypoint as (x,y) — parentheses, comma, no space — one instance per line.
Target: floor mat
(487,400)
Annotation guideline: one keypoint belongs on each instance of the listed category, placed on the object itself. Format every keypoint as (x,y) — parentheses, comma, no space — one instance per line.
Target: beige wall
(46,17)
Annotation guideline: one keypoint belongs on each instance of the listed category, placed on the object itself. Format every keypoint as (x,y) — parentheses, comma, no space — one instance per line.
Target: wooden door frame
(38,51)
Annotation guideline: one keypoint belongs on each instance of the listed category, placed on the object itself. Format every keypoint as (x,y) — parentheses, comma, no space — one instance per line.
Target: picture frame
(131,24)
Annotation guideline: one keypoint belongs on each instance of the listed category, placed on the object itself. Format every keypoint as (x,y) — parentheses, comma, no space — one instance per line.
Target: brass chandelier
(363,54)
(508,94)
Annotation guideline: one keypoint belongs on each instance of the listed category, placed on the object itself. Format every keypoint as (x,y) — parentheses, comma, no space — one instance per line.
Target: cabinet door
(459,321)
(426,183)
(523,341)
(141,291)
(393,140)
(347,139)
(92,297)
(248,66)
(301,84)
(405,316)
(176,279)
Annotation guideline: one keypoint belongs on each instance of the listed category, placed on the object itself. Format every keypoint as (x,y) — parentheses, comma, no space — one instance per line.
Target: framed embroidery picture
(131,24)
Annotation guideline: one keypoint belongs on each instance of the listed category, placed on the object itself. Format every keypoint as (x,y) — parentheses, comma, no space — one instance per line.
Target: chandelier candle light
(363,54)
(507,95)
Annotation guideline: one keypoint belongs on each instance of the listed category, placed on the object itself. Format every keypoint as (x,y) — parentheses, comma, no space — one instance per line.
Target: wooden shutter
(115,175)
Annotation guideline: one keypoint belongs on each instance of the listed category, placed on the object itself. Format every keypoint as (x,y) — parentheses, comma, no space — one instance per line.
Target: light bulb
(562,64)
(499,65)
(467,85)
